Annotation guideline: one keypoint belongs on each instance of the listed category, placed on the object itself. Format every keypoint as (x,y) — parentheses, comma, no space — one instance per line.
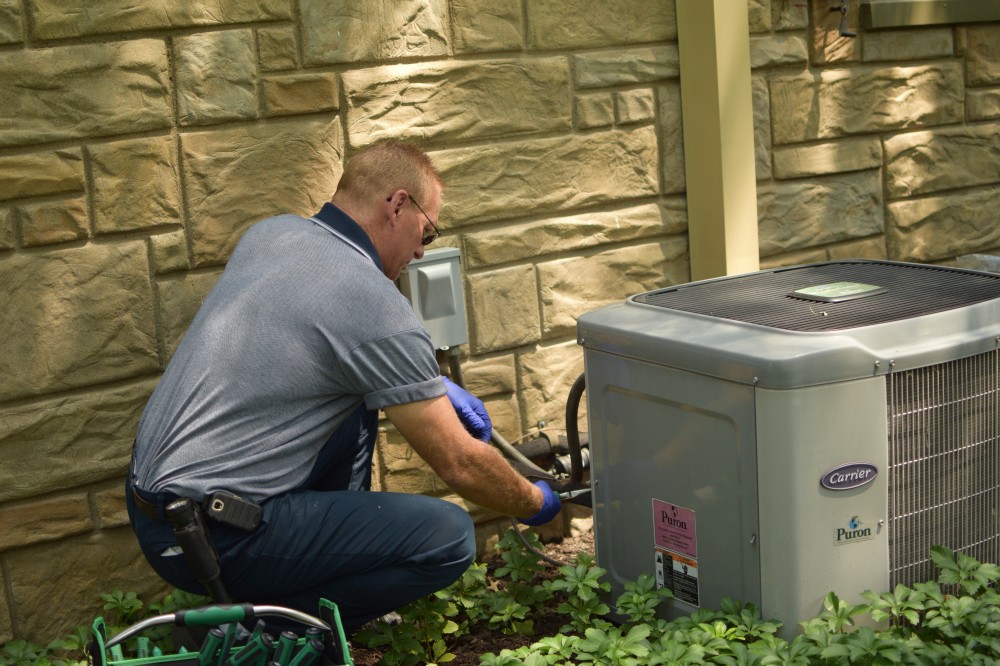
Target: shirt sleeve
(396,369)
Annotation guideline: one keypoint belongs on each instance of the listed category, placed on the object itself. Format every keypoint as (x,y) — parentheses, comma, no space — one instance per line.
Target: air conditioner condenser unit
(775,436)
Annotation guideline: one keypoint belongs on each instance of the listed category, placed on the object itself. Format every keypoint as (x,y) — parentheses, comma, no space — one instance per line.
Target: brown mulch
(471,647)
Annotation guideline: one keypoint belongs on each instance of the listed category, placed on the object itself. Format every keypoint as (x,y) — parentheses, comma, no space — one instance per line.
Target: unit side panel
(814,540)
(674,475)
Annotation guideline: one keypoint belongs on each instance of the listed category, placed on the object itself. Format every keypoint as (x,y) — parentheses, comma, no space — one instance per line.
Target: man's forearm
(474,470)
(488,480)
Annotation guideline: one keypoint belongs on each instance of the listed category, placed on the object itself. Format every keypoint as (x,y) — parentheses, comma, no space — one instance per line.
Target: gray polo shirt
(301,328)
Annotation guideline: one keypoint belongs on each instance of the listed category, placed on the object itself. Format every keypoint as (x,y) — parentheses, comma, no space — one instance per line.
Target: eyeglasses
(434,235)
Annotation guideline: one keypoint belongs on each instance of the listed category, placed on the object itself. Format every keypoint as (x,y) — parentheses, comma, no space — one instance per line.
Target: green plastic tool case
(230,640)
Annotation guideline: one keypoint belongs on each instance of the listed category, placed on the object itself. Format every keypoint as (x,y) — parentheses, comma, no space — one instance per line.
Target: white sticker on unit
(852,531)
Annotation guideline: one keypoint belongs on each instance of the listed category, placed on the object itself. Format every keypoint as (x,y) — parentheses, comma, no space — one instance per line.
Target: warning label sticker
(678,574)
(675,536)
(674,528)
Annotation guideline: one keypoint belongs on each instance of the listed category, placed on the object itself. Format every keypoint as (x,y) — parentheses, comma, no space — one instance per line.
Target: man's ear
(394,205)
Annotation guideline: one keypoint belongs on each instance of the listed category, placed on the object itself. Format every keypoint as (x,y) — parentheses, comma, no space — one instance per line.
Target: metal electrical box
(776,436)
(433,284)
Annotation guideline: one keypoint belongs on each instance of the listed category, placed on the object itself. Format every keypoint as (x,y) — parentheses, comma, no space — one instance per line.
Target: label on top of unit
(674,528)
(834,292)
(849,475)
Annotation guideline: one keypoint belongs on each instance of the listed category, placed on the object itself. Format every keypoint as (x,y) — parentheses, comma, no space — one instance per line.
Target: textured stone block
(568,24)
(863,248)
(827,158)
(335,31)
(546,377)
(7,238)
(403,471)
(634,106)
(887,45)
(503,309)
(109,506)
(486,25)
(180,298)
(789,15)
(942,227)
(643,64)
(112,556)
(828,46)
(71,92)
(290,167)
(595,109)
(55,19)
(982,65)
(795,258)
(301,93)
(761,101)
(10,32)
(778,49)
(53,222)
(490,376)
(135,184)
(6,626)
(216,79)
(506,416)
(861,100)
(942,159)
(804,214)
(570,287)
(170,251)
(572,233)
(530,177)
(73,440)
(44,520)
(458,100)
(38,174)
(759,15)
(671,138)
(983,104)
(83,316)
(978,262)
(277,47)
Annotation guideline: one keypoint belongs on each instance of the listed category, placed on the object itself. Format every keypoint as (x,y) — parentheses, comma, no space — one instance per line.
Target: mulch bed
(472,646)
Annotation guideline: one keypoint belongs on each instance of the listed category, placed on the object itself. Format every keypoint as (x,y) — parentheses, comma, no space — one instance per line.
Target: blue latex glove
(470,409)
(550,506)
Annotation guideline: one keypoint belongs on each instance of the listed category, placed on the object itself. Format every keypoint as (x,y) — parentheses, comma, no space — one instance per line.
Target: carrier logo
(852,532)
(851,475)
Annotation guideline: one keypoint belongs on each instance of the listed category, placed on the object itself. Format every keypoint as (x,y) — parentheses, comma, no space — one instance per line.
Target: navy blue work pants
(369,552)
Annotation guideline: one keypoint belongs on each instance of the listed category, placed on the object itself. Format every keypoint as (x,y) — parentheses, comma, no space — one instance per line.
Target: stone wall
(137,144)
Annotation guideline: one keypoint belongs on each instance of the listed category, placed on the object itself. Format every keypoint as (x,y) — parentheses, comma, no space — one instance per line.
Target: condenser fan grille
(905,291)
(944,464)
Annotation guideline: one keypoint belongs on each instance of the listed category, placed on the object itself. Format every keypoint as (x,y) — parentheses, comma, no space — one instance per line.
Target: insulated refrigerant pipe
(573,429)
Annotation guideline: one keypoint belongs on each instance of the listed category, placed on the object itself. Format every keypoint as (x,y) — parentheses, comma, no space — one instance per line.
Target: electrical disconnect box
(433,284)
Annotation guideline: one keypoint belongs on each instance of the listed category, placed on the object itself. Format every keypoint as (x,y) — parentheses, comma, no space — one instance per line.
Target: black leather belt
(152,509)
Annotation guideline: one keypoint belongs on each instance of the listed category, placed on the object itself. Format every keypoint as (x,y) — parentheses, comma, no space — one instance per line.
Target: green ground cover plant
(954,620)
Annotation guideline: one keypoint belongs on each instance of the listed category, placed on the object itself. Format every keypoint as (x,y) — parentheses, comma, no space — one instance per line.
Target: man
(273,395)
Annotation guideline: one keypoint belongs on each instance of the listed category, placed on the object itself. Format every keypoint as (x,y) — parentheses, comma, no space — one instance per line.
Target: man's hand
(550,506)
(470,409)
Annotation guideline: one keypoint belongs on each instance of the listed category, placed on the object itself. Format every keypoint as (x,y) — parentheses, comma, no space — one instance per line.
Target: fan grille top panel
(944,464)
(910,290)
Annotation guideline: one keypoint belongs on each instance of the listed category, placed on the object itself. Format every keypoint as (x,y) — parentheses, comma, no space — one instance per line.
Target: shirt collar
(342,223)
